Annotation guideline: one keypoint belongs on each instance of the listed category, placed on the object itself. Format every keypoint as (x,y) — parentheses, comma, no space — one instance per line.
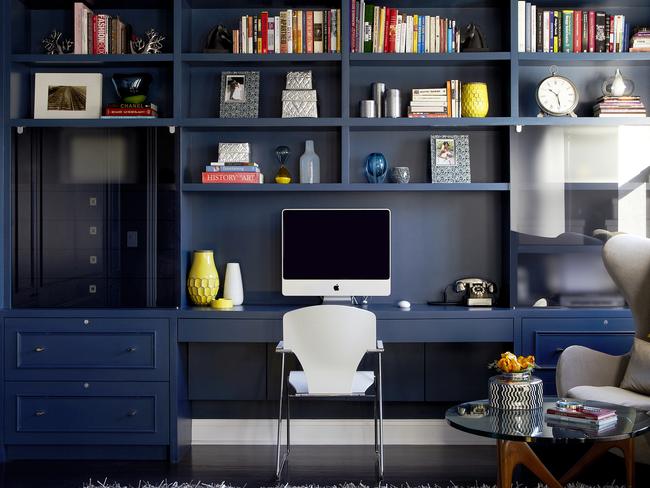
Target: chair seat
(611,394)
(361,382)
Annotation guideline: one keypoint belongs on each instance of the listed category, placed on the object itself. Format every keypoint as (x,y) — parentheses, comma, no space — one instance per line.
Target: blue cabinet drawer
(549,345)
(87,349)
(87,413)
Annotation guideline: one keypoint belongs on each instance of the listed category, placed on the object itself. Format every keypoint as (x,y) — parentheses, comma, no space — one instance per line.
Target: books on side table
(583,417)
(232,173)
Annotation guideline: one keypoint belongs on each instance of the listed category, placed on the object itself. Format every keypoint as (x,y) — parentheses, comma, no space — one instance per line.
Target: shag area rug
(200,484)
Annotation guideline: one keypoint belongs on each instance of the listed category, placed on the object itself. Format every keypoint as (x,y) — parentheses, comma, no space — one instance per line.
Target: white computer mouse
(404,304)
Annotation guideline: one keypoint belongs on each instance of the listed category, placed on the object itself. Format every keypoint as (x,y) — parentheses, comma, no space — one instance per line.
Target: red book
(392,28)
(100,34)
(387,29)
(309,35)
(589,413)
(265,32)
(353,28)
(235,178)
(592,32)
(577,31)
(611,34)
(130,112)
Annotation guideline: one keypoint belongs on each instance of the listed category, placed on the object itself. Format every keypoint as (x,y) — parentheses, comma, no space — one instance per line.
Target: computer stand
(342,300)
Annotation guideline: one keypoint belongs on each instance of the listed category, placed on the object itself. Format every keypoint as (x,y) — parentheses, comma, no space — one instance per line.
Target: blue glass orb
(376,168)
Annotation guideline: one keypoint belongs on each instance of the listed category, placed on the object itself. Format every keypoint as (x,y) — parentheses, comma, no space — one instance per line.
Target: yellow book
(382,29)
(415,34)
(556,35)
(338,30)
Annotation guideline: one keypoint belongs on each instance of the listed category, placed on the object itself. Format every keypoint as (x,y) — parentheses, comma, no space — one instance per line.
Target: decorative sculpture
(219,40)
(473,39)
(53,44)
(153,43)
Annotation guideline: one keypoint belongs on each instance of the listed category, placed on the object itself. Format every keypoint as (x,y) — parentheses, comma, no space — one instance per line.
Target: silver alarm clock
(557,96)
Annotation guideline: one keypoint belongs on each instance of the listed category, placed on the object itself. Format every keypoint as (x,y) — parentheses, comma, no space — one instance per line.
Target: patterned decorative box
(299,103)
(299,80)
(513,394)
(234,152)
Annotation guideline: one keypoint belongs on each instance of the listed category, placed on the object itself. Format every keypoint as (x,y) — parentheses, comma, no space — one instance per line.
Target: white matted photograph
(67,95)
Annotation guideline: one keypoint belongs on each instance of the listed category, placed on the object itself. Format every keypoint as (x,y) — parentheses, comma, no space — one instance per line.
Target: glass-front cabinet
(573,188)
(94,218)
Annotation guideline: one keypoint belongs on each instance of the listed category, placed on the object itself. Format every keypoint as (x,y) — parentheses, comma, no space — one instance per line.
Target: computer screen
(329,252)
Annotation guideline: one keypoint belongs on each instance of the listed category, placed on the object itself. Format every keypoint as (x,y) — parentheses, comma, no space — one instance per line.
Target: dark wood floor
(325,465)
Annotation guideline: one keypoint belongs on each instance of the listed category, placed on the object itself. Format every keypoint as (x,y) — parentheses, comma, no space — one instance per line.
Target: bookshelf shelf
(211,58)
(159,122)
(98,59)
(582,121)
(582,59)
(391,59)
(405,122)
(352,187)
(261,122)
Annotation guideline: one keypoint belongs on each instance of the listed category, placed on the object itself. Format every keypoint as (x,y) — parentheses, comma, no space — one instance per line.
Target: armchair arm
(280,348)
(579,366)
(379,348)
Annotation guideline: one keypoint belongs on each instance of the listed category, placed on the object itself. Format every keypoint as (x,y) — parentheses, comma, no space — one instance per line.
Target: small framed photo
(450,161)
(240,93)
(67,95)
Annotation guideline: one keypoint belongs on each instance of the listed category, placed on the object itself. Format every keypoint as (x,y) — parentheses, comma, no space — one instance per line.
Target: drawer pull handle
(86,322)
(39,413)
(605,322)
(130,349)
(39,349)
(133,413)
(559,350)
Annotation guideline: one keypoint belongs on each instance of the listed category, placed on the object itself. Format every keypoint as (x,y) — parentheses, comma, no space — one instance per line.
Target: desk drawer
(111,349)
(227,329)
(549,345)
(87,413)
(446,330)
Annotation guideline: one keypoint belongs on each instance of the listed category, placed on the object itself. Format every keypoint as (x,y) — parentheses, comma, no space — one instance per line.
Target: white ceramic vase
(233,287)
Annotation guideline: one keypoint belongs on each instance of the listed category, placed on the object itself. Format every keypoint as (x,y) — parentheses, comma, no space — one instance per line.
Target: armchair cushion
(637,375)
(611,394)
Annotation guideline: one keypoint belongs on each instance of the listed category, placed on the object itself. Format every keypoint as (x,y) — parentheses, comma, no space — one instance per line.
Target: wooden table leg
(596,451)
(510,454)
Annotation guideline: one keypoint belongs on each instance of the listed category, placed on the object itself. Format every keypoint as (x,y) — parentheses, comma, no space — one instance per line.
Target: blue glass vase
(376,168)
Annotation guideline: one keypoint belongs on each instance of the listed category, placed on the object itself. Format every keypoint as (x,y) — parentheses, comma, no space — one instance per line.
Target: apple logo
(336,287)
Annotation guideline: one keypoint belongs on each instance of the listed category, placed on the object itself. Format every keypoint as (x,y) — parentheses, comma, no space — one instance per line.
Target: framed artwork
(67,95)
(450,161)
(240,94)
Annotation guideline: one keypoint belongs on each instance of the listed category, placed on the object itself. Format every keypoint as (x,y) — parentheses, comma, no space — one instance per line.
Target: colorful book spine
(592,32)
(234,178)
(567,31)
(264,18)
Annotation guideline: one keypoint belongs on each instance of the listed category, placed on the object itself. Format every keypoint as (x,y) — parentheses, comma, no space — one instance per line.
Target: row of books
(436,102)
(377,29)
(232,173)
(99,33)
(130,111)
(629,106)
(583,417)
(570,31)
(292,31)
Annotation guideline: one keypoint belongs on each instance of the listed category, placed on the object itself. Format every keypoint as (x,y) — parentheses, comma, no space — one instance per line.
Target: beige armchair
(586,374)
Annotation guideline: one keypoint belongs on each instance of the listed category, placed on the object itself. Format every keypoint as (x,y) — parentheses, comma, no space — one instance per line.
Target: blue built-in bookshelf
(100,216)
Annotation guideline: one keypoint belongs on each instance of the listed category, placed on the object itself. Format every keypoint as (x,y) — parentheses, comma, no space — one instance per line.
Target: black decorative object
(219,40)
(53,44)
(132,87)
(152,43)
(473,39)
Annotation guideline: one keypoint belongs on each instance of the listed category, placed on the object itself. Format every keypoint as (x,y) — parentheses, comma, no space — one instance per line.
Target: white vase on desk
(233,287)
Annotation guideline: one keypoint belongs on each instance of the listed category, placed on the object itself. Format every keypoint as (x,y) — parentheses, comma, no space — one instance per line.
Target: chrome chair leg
(279,465)
(288,421)
(374,408)
(381,421)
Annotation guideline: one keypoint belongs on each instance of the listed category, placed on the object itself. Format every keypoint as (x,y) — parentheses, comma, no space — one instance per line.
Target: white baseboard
(329,432)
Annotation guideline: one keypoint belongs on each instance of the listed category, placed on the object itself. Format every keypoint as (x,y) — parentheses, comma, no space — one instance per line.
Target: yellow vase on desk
(474,100)
(203,279)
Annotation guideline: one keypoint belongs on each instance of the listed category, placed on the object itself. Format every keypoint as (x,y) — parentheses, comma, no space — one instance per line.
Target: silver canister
(393,103)
(378,90)
(368,108)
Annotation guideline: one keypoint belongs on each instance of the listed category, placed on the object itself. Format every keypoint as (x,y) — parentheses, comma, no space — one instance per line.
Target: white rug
(200,484)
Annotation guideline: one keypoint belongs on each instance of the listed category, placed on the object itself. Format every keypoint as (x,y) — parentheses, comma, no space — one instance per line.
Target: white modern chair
(330,341)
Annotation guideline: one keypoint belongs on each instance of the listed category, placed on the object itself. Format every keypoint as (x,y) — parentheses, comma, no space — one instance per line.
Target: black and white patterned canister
(508,394)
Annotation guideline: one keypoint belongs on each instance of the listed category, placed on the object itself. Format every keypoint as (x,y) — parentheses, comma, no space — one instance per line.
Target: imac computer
(336,252)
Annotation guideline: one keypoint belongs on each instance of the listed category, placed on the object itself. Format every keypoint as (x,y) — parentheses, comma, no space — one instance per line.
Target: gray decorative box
(234,152)
(299,103)
(299,80)
(514,394)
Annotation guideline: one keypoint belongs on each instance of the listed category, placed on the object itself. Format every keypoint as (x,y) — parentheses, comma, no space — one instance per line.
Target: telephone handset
(477,291)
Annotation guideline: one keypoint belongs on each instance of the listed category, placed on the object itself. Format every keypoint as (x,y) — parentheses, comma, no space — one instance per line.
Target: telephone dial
(477,292)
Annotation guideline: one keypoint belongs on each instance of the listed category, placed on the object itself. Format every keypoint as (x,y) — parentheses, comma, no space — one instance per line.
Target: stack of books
(130,111)
(640,42)
(592,418)
(292,31)
(99,33)
(385,30)
(570,31)
(619,107)
(237,173)
(436,102)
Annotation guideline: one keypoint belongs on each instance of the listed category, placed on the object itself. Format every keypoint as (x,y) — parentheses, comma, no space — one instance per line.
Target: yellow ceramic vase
(203,279)
(474,100)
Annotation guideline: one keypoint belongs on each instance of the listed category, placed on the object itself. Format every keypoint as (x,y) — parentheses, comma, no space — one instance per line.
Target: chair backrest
(329,341)
(627,259)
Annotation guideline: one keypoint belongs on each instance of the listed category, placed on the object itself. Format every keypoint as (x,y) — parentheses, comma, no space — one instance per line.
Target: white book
(409,34)
(533,28)
(403,36)
(426,34)
(398,34)
(437,33)
(270,37)
(521,26)
(276,41)
(318,25)
(547,35)
(375,30)
(289,31)
(244,35)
